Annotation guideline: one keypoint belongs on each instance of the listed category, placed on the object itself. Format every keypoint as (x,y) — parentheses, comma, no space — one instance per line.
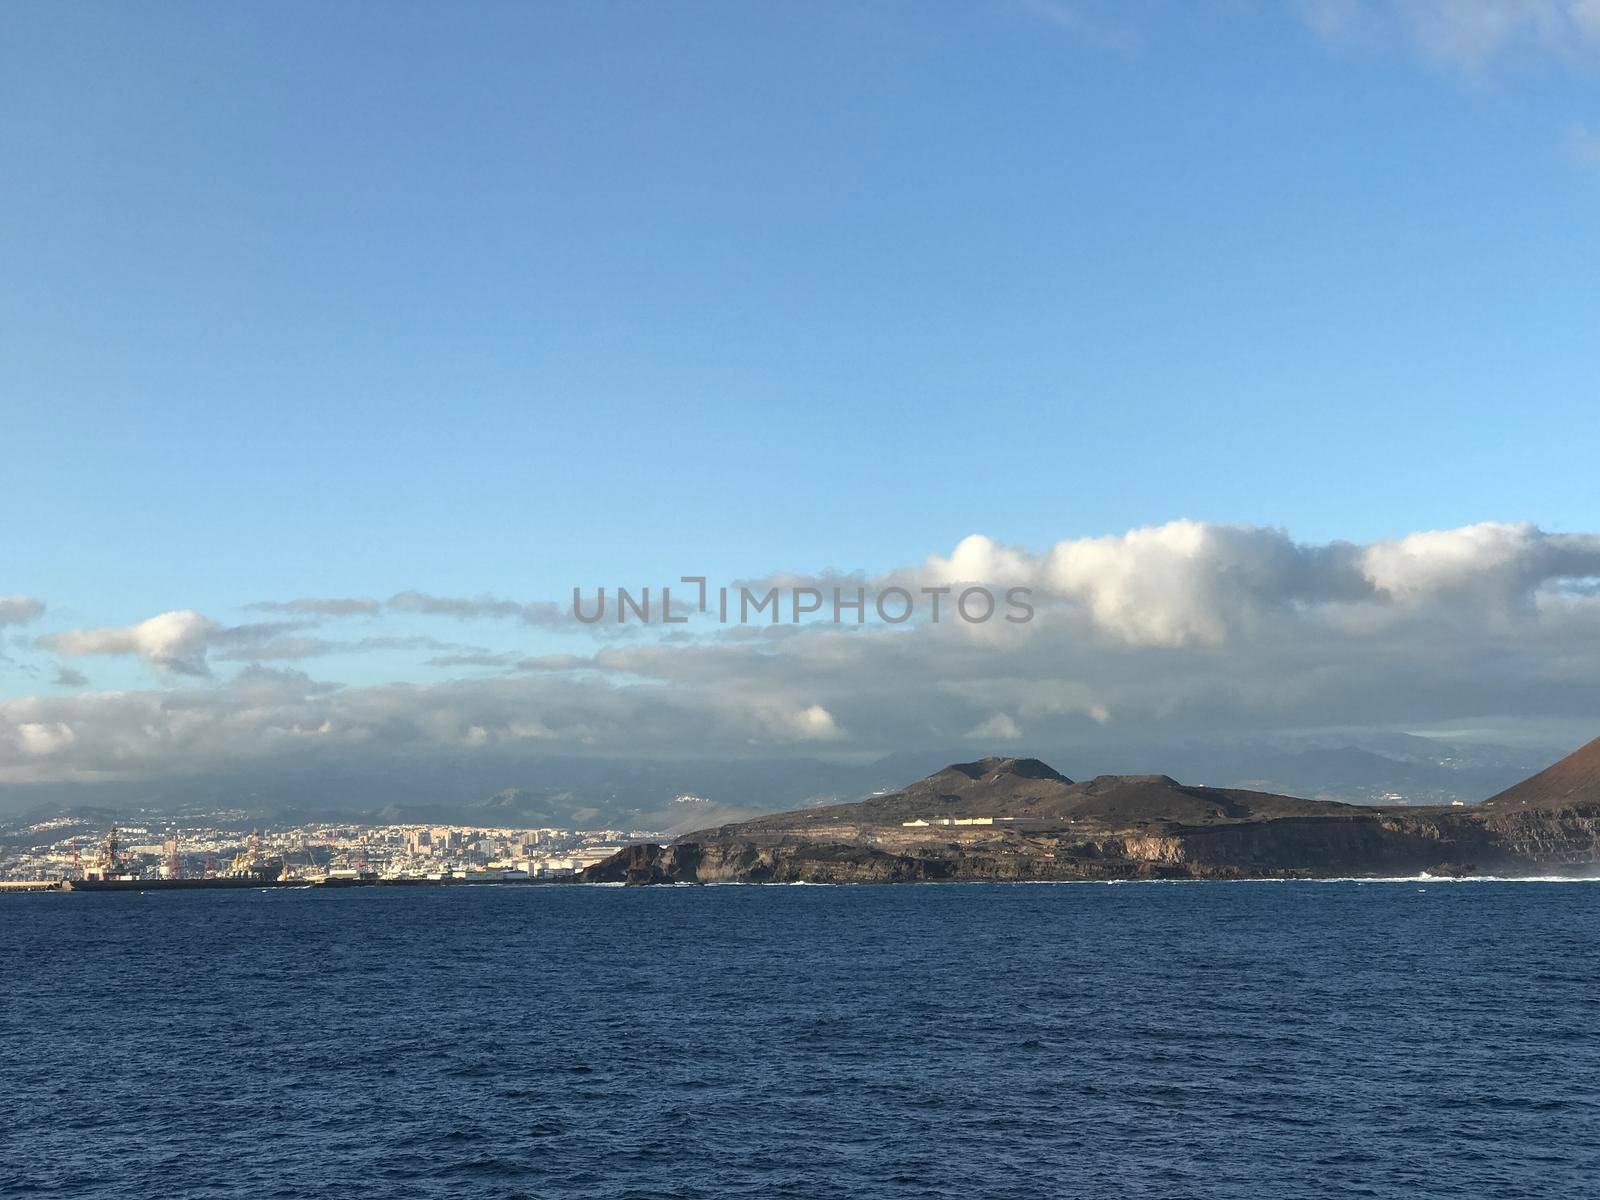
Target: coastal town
(67,849)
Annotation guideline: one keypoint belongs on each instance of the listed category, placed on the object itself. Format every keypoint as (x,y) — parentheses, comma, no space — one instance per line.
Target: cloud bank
(1181,630)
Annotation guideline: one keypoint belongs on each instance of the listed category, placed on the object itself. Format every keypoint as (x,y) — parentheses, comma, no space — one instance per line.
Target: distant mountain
(559,792)
(85,823)
(563,808)
(1357,775)
(671,796)
(1358,769)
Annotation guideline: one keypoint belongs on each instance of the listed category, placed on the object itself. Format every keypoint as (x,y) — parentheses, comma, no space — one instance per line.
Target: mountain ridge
(1020,819)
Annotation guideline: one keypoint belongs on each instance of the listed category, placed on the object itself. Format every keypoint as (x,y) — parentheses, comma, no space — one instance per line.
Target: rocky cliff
(1018,819)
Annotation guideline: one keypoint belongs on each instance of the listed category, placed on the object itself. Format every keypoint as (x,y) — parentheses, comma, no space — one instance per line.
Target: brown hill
(1575,780)
(1043,826)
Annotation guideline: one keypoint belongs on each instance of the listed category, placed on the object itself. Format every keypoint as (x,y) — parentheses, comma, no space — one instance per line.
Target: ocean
(1395,1039)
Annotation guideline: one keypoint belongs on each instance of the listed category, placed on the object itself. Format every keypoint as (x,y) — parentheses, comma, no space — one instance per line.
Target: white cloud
(173,641)
(995,728)
(813,723)
(1492,560)
(36,738)
(1182,583)
(981,560)
(1175,584)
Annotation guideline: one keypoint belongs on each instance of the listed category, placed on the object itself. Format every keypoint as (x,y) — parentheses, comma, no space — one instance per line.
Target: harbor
(398,857)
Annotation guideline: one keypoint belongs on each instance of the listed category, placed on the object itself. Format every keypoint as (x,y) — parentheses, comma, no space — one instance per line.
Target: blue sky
(345,300)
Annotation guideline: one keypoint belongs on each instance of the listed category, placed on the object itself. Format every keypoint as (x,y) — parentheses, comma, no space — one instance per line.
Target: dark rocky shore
(1020,820)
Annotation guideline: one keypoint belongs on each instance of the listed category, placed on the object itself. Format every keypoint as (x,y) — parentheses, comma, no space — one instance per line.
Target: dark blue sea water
(1184,1040)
